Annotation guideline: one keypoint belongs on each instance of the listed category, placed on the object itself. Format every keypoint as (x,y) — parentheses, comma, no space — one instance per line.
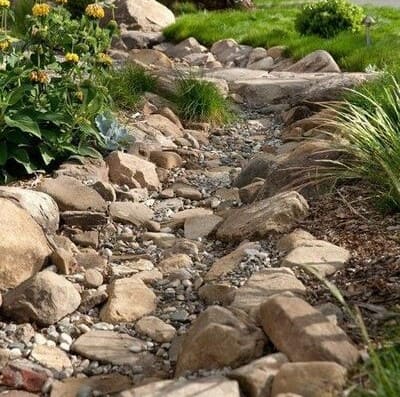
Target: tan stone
(167,160)
(45,299)
(325,258)
(162,240)
(255,379)
(175,262)
(165,125)
(112,347)
(127,212)
(229,262)
(249,192)
(23,246)
(218,338)
(106,384)
(277,52)
(318,61)
(64,261)
(180,217)
(276,214)
(266,283)
(132,170)
(295,239)
(129,300)
(156,329)
(214,294)
(42,208)
(203,226)
(206,387)
(71,194)
(51,357)
(150,58)
(310,379)
(303,333)
(93,278)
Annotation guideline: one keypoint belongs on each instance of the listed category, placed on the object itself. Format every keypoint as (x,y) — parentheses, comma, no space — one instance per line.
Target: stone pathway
(170,270)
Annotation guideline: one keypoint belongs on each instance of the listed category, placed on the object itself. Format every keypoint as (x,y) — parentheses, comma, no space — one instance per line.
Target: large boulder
(23,245)
(275,214)
(219,339)
(44,298)
(146,15)
(40,206)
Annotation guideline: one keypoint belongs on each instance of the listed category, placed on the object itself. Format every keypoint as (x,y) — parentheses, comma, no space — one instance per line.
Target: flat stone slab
(106,384)
(264,284)
(322,256)
(112,347)
(206,387)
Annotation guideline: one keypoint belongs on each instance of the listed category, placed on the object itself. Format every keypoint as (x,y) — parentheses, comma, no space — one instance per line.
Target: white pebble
(15,353)
(39,339)
(65,338)
(65,346)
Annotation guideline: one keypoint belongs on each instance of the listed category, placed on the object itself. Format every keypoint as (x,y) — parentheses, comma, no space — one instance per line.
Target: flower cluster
(72,57)
(39,76)
(4,44)
(41,10)
(4,3)
(104,59)
(95,11)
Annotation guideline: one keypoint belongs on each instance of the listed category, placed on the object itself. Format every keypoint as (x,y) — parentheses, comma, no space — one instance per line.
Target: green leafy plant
(370,142)
(327,18)
(200,100)
(51,87)
(184,7)
(128,84)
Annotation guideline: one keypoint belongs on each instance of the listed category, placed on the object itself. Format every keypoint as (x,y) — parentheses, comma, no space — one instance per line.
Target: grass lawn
(273,24)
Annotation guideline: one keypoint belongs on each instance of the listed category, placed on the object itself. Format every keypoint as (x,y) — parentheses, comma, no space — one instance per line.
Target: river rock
(218,339)
(303,333)
(156,329)
(127,212)
(317,61)
(129,300)
(311,379)
(206,387)
(132,170)
(276,214)
(72,195)
(45,299)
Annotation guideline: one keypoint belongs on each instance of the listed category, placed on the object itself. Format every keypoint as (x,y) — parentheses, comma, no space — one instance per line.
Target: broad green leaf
(47,154)
(88,151)
(22,157)
(24,123)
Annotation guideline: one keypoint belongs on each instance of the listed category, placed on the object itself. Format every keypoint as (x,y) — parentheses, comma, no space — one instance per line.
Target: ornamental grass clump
(200,100)
(51,85)
(370,142)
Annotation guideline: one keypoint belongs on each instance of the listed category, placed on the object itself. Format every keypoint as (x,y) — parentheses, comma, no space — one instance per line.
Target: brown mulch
(371,280)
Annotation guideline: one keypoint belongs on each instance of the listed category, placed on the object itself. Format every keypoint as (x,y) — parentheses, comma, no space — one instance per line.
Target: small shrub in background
(51,86)
(200,100)
(184,7)
(127,85)
(327,18)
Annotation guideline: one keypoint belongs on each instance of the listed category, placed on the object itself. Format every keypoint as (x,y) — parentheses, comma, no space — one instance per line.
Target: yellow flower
(104,59)
(79,95)
(39,76)
(4,44)
(4,3)
(72,57)
(40,10)
(95,11)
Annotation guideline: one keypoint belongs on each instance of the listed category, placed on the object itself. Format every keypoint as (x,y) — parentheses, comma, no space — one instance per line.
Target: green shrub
(184,7)
(327,18)
(370,142)
(50,88)
(200,100)
(128,84)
